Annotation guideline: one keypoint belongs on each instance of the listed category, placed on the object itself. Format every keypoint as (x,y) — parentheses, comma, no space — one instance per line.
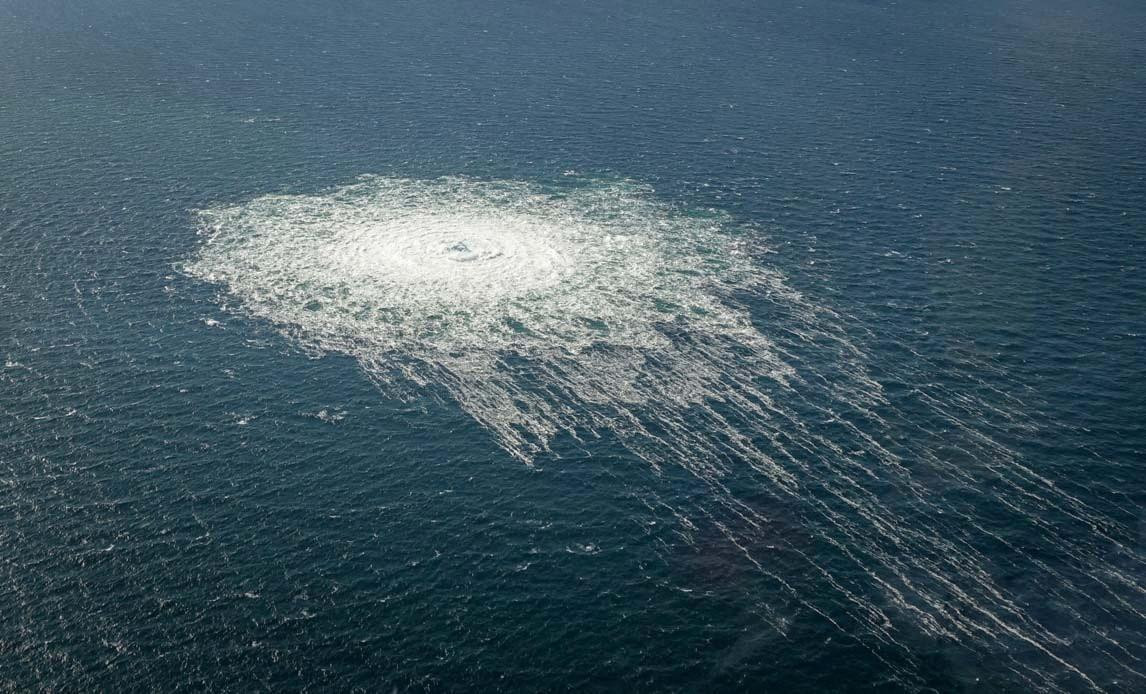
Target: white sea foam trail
(595,309)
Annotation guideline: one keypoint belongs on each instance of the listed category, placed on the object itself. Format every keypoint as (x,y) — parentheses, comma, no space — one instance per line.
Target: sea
(570,345)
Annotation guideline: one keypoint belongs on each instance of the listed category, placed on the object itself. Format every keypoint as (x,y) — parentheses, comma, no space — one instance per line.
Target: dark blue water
(190,499)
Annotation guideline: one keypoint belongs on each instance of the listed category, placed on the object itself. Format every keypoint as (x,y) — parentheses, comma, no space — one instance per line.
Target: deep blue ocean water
(191,499)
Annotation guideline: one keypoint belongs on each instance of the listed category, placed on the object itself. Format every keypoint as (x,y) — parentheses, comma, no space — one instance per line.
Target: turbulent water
(592,309)
(611,301)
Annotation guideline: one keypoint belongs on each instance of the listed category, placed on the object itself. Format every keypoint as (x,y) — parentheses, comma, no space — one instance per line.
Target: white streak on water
(594,309)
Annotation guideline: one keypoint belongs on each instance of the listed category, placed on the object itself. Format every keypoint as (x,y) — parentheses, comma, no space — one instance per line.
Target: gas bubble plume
(595,309)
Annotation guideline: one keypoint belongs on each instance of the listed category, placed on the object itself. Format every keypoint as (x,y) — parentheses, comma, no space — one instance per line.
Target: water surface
(570,345)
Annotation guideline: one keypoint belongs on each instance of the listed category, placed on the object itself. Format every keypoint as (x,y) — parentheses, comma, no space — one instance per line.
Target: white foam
(442,281)
(458,264)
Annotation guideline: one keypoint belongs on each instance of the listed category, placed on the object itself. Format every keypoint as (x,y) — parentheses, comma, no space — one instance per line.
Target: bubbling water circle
(595,309)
